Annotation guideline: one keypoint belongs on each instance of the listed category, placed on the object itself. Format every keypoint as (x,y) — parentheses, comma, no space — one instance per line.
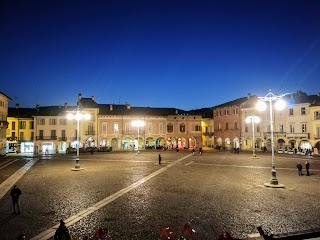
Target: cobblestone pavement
(135,197)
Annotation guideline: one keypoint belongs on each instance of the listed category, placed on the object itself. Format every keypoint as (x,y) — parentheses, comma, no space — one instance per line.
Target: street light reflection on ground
(253,119)
(78,116)
(279,105)
(138,124)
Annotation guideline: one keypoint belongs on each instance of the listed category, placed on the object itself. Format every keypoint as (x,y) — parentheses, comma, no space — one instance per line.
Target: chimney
(79,96)
(92,98)
(128,106)
(111,107)
(17,105)
(37,107)
(249,95)
(65,105)
(176,111)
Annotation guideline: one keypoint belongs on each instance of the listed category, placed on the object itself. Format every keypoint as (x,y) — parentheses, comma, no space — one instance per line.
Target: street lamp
(138,124)
(78,115)
(253,119)
(279,105)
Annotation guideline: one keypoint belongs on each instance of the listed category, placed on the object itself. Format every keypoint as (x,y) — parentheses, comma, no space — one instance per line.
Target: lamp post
(78,115)
(253,119)
(279,105)
(138,124)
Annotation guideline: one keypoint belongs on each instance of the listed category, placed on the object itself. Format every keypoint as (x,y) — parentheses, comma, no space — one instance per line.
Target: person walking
(299,167)
(15,194)
(159,158)
(307,167)
(62,232)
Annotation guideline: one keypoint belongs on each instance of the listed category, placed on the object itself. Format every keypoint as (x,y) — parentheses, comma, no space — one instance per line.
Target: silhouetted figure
(62,232)
(299,167)
(15,194)
(159,158)
(307,167)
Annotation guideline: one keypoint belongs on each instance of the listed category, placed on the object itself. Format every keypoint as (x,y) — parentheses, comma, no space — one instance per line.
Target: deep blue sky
(157,53)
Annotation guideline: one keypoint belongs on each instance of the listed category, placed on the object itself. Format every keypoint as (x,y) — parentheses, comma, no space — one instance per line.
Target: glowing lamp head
(280,104)
(261,106)
(256,119)
(248,119)
(86,116)
(70,116)
(137,123)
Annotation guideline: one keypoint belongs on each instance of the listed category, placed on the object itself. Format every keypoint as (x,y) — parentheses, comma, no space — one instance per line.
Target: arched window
(169,128)
(182,127)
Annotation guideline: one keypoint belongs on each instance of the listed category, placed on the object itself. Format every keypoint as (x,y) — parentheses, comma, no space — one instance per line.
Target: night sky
(157,53)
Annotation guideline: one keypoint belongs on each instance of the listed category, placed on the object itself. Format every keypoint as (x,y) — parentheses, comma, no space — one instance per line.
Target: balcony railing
(297,135)
(209,134)
(133,132)
(90,133)
(4,124)
(46,137)
(62,138)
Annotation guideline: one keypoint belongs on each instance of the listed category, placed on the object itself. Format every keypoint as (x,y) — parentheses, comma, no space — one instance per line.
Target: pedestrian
(159,158)
(15,194)
(200,151)
(299,167)
(193,151)
(91,151)
(307,167)
(62,232)
(177,149)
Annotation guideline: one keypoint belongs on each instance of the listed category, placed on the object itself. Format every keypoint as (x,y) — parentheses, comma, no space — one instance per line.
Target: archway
(114,144)
(316,149)
(150,143)
(192,142)
(292,144)
(227,143)
(126,143)
(236,143)
(247,144)
(281,144)
(304,145)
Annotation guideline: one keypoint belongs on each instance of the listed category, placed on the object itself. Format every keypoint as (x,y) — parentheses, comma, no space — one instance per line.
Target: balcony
(46,137)
(4,124)
(133,132)
(62,138)
(90,133)
(298,135)
(209,134)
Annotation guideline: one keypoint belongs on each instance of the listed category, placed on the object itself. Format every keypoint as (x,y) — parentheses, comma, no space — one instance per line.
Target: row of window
(235,126)
(226,112)
(3,104)
(182,128)
(22,125)
(281,128)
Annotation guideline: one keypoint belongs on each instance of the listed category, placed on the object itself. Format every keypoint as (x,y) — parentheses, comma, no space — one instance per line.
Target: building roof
(204,112)
(236,102)
(21,112)
(5,95)
(126,109)
(53,110)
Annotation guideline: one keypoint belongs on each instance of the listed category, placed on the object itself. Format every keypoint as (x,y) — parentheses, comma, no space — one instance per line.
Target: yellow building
(20,131)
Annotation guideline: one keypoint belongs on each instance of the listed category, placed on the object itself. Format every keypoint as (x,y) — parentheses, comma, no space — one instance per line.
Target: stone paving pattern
(214,192)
